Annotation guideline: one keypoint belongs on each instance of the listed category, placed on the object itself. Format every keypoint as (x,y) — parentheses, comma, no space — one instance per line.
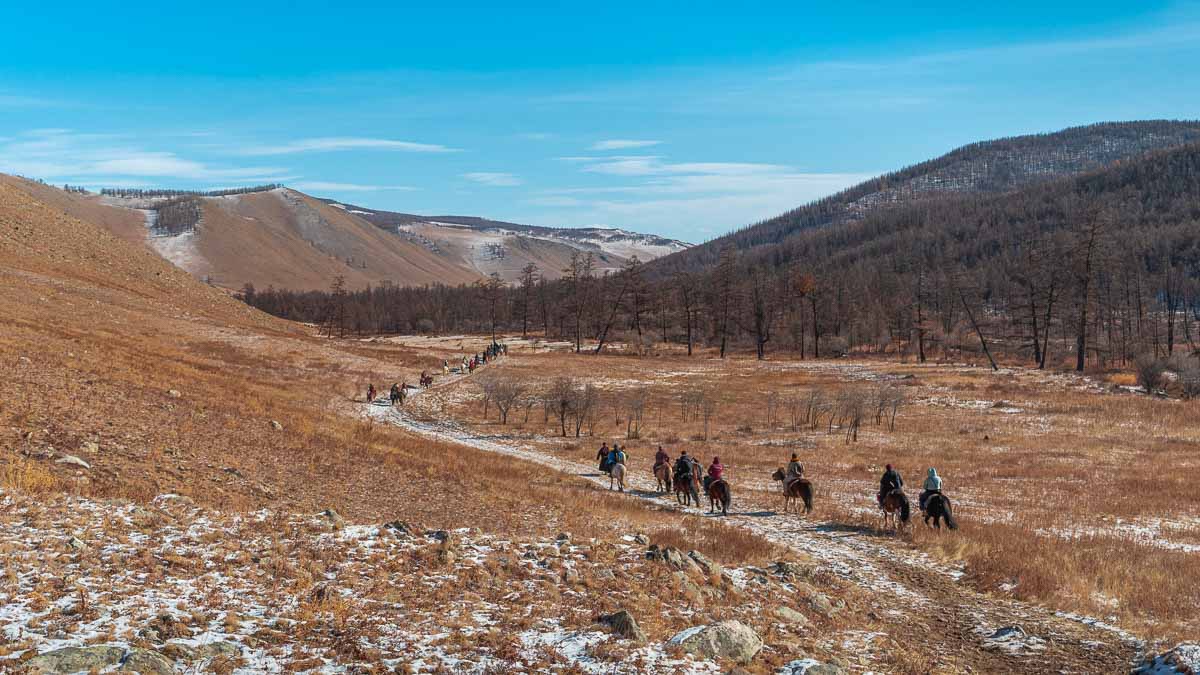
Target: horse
(718,493)
(687,489)
(896,509)
(396,396)
(937,507)
(616,474)
(662,474)
(426,379)
(799,488)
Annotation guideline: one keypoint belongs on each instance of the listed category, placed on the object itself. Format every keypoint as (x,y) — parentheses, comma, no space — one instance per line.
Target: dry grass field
(1073,492)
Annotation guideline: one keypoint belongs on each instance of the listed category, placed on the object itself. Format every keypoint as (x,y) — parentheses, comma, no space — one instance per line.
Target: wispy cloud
(494,179)
(340,143)
(622,144)
(320,185)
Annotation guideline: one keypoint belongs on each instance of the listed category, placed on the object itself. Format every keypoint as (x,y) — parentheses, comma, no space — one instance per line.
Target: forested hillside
(988,167)
(1095,268)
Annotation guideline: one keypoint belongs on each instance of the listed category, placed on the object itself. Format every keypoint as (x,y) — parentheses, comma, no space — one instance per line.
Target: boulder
(811,667)
(623,624)
(147,662)
(174,393)
(1183,658)
(563,538)
(77,544)
(641,539)
(91,447)
(73,460)
(178,652)
(333,519)
(672,557)
(731,640)
(75,659)
(276,426)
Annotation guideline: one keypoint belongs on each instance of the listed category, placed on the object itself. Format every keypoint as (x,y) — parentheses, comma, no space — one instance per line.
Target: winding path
(911,598)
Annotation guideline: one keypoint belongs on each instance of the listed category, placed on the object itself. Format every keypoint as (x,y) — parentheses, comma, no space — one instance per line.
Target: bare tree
(708,409)
(506,392)
(560,399)
(635,408)
(585,400)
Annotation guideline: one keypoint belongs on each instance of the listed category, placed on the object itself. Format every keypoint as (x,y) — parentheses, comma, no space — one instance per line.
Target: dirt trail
(914,599)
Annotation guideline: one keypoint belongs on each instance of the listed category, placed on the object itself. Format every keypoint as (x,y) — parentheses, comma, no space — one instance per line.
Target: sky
(681,119)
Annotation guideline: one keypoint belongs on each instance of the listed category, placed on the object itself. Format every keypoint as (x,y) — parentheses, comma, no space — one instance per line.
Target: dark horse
(686,488)
(718,493)
(937,507)
(798,488)
(896,509)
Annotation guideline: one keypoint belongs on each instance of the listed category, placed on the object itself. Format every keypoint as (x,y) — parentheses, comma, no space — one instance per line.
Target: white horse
(616,475)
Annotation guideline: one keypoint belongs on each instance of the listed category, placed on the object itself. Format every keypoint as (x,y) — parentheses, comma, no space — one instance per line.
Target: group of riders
(399,390)
(686,469)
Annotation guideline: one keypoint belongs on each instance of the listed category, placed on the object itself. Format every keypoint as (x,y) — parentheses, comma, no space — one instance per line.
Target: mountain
(988,167)
(491,246)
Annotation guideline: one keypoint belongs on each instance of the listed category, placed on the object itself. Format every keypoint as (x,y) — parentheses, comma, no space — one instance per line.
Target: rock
(706,565)
(276,426)
(811,667)
(218,650)
(91,447)
(674,558)
(75,659)
(399,528)
(1184,658)
(147,662)
(174,393)
(816,600)
(73,460)
(731,640)
(333,519)
(790,616)
(446,556)
(563,538)
(641,539)
(164,627)
(622,623)
(790,570)
(606,574)
(443,537)
(178,652)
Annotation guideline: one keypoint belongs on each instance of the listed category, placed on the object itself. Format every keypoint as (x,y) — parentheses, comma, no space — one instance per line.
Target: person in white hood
(933,485)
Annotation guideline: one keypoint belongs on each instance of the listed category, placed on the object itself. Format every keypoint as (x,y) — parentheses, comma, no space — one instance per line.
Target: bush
(1187,374)
(1149,371)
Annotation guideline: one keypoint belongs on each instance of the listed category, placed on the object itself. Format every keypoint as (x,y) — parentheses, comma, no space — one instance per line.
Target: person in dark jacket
(890,480)
(602,457)
(683,466)
(661,457)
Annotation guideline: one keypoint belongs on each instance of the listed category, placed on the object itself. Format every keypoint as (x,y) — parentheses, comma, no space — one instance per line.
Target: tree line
(1093,270)
(150,193)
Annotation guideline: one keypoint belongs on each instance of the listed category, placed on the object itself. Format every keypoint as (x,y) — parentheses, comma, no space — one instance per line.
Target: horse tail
(950,522)
(905,509)
(806,493)
(726,495)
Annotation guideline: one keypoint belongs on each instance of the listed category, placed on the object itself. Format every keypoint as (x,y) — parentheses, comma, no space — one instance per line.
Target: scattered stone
(791,570)
(73,460)
(811,667)
(1014,640)
(641,539)
(816,600)
(147,662)
(215,650)
(731,640)
(77,544)
(75,659)
(333,519)
(91,447)
(178,652)
(1184,658)
(563,537)
(622,623)
(174,393)
(790,616)
(443,537)
(606,574)
(399,528)
(276,426)
(706,565)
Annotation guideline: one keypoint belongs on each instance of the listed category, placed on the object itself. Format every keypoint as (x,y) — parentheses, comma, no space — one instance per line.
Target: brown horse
(798,488)
(662,474)
(718,493)
(937,507)
(896,509)
(687,489)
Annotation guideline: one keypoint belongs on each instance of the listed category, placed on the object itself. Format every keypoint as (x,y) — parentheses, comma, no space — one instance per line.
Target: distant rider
(888,482)
(661,457)
(370,393)
(715,471)
(795,470)
(933,486)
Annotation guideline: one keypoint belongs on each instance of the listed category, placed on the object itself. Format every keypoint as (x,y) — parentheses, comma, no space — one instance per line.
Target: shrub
(1149,371)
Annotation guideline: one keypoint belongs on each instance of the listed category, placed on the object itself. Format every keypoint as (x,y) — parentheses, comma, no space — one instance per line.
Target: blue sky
(684,119)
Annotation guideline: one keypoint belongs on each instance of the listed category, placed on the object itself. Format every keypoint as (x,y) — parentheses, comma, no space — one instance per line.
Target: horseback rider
(715,471)
(371,393)
(661,457)
(619,456)
(683,467)
(933,486)
(888,482)
(795,470)
(602,457)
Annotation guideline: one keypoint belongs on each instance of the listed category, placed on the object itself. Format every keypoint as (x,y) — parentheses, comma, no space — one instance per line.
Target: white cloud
(495,179)
(348,187)
(338,143)
(622,144)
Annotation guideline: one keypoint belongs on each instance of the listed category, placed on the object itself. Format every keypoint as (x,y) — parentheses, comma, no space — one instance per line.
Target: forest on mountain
(1092,270)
